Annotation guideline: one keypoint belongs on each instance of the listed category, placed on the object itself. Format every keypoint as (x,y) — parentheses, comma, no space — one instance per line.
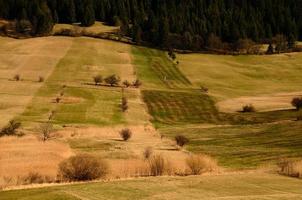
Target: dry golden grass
(199,164)
(23,155)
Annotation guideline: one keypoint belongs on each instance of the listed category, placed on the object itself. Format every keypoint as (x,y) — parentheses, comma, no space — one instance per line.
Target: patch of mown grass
(192,106)
(243,146)
(170,107)
(156,70)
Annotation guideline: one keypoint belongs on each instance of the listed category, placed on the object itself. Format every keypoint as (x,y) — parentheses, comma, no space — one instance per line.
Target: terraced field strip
(156,70)
(189,106)
(255,186)
(243,146)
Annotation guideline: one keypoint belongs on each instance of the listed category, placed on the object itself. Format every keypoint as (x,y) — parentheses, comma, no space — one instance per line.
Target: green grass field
(257,186)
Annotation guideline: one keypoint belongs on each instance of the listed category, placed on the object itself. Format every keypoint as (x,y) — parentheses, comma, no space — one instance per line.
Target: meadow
(88,117)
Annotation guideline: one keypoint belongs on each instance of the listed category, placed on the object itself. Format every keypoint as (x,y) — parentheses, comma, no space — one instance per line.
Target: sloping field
(236,76)
(254,186)
(30,59)
(237,140)
(80,101)
(244,146)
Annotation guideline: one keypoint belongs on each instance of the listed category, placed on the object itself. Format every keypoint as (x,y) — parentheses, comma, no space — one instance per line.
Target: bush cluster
(82,167)
(248,108)
(297,102)
(11,128)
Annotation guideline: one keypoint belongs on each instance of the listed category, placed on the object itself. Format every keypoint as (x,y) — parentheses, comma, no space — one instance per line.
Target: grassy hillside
(237,140)
(88,118)
(72,81)
(243,146)
(233,186)
(235,76)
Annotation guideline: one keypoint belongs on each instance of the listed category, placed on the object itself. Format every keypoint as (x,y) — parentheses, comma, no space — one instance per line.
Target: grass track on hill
(234,186)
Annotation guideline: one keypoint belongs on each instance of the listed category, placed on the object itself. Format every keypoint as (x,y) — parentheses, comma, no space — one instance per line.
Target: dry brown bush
(181,140)
(10,129)
(126,134)
(201,163)
(41,79)
(157,165)
(248,108)
(148,153)
(36,178)
(82,167)
(17,77)
(292,168)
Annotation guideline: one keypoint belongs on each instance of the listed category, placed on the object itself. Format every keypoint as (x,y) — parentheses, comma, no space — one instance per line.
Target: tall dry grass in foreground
(199,164)
(292,168)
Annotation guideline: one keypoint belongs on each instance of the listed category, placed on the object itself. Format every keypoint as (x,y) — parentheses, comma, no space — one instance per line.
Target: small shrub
(82,167)
(98,79)
(126,134)
(157,165)
(126,83)
(297,102)
(34,178)
(17,77)
(248,108)
(171,54)
(112,80)
(181,140)
(137,83)
(204,89)
(58,99)
(124,104)
(11,128)
(62,93)
(41,79)
(46,130)
(199,164)
(148,153)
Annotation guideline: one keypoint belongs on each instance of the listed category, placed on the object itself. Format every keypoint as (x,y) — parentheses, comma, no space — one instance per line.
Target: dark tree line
(186,24)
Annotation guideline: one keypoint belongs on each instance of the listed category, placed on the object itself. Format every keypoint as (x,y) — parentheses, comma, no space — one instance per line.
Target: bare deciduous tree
(46,129)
